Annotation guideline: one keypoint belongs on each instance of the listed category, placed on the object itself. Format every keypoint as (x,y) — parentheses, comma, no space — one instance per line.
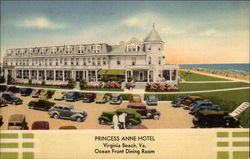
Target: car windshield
(152,98)
(70,94)
(15,124)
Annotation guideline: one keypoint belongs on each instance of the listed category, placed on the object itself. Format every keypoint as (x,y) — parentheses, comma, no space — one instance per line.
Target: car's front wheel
(129,125)
(149,115)
(55,116)
(79,119)
(102,122)
(156,117)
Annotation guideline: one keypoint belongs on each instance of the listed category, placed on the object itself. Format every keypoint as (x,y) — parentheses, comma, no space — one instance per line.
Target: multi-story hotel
(142,61)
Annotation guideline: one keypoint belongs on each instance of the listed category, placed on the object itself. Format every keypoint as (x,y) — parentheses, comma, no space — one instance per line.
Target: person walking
(115,121)
(122,120)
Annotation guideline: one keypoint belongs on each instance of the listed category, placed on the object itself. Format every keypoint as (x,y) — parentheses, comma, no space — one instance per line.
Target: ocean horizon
(239,68)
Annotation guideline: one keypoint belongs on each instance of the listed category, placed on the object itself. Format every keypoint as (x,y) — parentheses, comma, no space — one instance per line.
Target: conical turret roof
(153,36)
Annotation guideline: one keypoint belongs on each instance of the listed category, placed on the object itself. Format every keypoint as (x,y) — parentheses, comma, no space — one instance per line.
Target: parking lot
(170,117)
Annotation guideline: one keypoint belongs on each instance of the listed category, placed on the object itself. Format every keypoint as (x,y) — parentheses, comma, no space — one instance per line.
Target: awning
(102,72)
(115,72)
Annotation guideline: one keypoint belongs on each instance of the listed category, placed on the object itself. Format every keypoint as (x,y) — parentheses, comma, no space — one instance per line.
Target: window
(133,60)
(118,61)
(159,61)
(149,60)
(159,49)
(93,61)
(99,62)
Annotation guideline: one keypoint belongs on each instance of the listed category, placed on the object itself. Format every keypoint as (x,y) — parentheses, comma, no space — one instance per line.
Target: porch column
(162,75)
(154,75)
(96,75)
(54,75)
(170,74)
(148,76)
(22,74)
(63,74)
(29,74)
(126,76)
(45,75)
(132,75)
(83,74)
(87,75)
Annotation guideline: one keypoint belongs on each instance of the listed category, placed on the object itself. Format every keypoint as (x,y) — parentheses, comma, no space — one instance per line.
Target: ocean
(242,68)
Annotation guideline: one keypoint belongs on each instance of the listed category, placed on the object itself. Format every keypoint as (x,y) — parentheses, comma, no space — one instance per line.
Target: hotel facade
(143,61)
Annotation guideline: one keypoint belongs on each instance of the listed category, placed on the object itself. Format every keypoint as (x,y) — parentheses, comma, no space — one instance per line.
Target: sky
(194,32)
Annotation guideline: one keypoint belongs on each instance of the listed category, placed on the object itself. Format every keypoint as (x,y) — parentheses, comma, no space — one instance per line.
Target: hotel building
(143,61)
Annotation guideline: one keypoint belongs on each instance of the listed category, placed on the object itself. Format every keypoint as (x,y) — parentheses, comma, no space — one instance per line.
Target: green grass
(8,136)
(28,145)
(222,134)
(103,89)
(227,100)
(222,155)
(240,155)
(28,155)
(9,155)
(209,86)
(28,136)
(41,86)
(241,144)
(240,134)
(222,144)
(199,77)
(8,145)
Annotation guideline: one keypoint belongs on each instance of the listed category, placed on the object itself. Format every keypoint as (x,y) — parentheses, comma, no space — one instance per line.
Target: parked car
(73,96)
(101,98)
(211,118)
(152,100)
(67,111)
(3,88)
(132,118)
(67,127)
(46,94)
(17,122)
(115,99)
(35,93)
(3,102)
(1,120)
(40,125)
(179,101)
(41,104)
(11,98)
(202,105)
(59,95)
(89,97)
(191,99)
(135,98)
(26,91)
(144,111)
(13,89)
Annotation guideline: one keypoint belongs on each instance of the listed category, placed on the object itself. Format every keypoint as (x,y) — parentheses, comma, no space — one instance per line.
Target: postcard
(127,79)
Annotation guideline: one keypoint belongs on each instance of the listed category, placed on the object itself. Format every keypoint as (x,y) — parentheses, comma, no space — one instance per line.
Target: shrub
(71,84)
(9,79)
(30,81)
(111,78)
(126,96)
(83,83)
(130,79)
(43,83)
(2,79)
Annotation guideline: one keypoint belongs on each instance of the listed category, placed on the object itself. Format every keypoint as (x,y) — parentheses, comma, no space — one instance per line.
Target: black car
(26,91)
(13,89)
(11,98)
(73,96)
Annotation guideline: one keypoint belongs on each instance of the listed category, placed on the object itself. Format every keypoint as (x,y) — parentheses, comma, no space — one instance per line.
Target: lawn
(198,77)
(103,89)
(41,86)
(209,86)
(227,100)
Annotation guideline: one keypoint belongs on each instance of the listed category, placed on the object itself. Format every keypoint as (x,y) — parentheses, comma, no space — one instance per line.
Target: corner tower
(153,42)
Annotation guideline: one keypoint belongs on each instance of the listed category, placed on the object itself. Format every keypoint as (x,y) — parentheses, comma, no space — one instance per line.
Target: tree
(71,84)
(83,83)
(30,81)
(9,79)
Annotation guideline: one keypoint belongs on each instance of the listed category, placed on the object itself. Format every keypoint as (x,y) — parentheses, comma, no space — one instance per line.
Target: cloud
(147,19)
(41,23)
(212,33)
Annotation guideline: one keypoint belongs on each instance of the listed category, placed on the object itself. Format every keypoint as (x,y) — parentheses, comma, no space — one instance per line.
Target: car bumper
(100,102)
(115,102)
